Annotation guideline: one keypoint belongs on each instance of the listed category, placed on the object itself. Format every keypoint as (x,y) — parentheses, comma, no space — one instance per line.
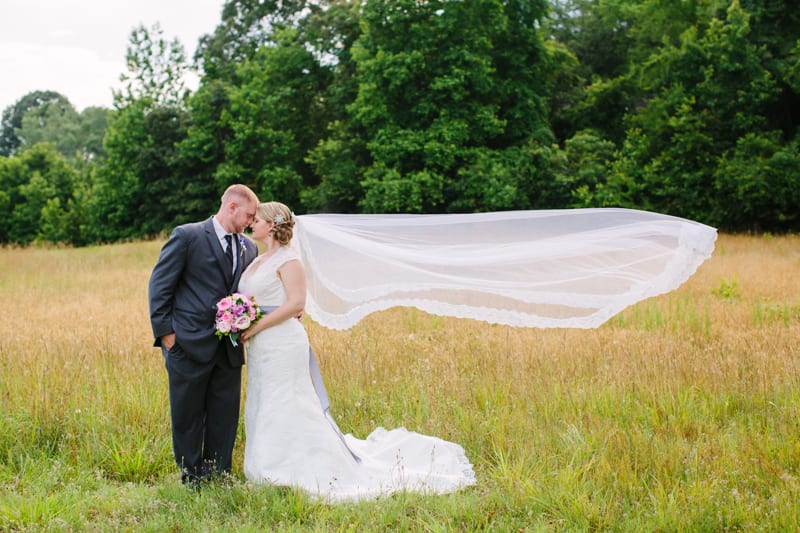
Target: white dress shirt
(221,233)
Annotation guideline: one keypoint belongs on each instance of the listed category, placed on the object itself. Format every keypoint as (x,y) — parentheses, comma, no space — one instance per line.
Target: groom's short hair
(237,191)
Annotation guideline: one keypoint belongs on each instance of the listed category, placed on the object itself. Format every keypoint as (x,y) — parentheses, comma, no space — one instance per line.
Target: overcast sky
(77,47)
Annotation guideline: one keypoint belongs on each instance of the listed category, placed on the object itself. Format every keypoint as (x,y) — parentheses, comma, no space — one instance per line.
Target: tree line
(688,108)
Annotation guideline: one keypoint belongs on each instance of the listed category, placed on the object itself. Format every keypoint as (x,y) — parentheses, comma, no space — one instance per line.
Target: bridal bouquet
(235,313)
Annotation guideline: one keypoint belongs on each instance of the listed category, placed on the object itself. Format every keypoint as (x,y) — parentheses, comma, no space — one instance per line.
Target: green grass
(680,414)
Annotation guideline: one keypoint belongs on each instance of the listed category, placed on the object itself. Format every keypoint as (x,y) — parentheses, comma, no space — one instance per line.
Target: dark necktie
(229,250)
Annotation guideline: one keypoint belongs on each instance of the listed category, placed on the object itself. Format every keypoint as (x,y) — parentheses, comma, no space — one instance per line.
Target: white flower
(242,322)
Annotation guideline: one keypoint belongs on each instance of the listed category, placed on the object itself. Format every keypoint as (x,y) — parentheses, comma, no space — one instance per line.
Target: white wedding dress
(291,441)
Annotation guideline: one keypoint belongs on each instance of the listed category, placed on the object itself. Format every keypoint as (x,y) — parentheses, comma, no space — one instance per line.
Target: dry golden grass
(680,413)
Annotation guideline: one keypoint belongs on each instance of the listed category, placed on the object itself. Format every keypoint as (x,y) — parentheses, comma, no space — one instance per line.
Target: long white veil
(571,268)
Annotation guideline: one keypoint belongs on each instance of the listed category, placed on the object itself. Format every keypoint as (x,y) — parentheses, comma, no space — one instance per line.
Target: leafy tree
(585,164)
(276,75)
(625,186)
(688,86)
(74,134)
(707,93)
(246,26)
(203,150)
(31,180)
(757,184)
(5,208)
(71,221)
(13,175)
(441,83)
(275,116)
(341,154)
(156,69)
(94,121)
(55,122)
(589,45)
(12,117)
(565,88)
(138,190)
(596,32)
(339,159)
(775,25)
(611,39)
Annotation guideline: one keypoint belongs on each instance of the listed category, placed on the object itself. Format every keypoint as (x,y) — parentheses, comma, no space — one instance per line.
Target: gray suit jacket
(190,277)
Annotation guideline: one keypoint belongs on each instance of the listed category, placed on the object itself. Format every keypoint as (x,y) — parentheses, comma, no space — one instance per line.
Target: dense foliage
(687,108)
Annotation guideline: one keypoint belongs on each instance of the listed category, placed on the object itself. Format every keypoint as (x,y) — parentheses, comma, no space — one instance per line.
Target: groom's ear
(232,206)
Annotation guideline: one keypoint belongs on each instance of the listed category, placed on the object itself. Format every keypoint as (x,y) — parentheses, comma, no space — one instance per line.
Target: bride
(573,268)
(291,440)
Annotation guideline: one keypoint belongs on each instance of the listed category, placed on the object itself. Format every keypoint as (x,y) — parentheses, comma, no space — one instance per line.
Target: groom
(200,264)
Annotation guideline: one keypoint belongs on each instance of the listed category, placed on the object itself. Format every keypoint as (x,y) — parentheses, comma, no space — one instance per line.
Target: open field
(681,413)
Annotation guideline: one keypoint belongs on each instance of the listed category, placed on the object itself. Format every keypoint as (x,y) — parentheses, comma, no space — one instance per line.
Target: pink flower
(223,326)
(224,304)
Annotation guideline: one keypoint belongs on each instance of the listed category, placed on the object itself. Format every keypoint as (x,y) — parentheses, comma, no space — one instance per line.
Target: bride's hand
(248,334)
(251,332)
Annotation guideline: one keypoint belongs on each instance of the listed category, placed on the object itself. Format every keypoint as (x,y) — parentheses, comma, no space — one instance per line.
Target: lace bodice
(261,280)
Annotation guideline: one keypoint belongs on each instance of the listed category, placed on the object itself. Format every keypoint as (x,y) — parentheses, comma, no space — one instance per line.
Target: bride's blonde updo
(283,218)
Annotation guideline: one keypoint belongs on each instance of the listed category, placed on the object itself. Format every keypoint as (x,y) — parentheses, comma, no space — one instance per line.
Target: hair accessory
(279,219)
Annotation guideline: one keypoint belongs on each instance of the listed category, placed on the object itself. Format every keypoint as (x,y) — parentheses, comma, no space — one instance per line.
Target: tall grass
(681,413)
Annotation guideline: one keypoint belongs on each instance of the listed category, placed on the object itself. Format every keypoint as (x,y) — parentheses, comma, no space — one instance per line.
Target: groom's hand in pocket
(168,341)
